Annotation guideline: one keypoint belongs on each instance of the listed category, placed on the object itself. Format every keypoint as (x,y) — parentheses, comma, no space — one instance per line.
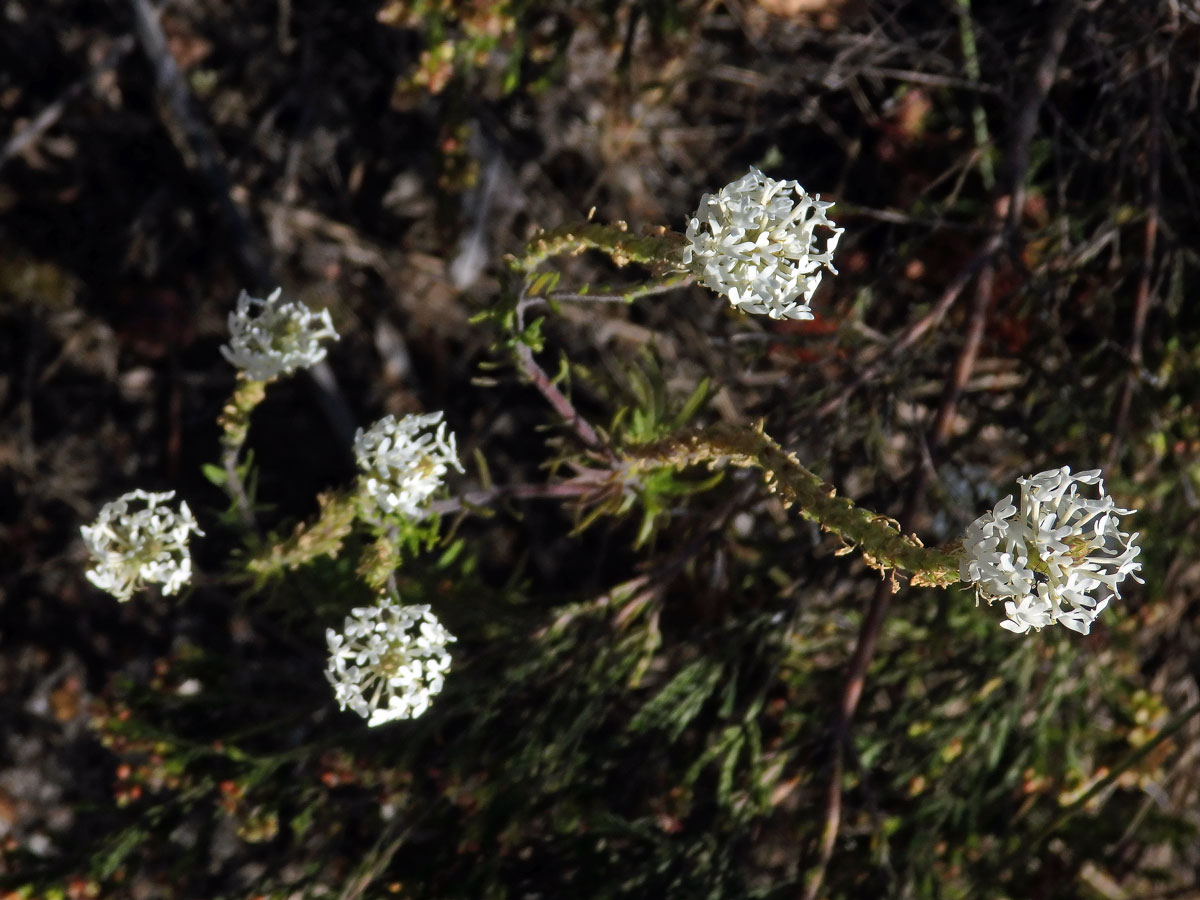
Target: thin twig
(626,298)
(1145,294)
(547,388)
(195,141)
(565,490)
(45,120)
(1030,108)
(964,365)
(235,427)
(573,297)
(895,217)
(930,78)
(1018,168)
(872,625)
(966,33)
(236,488)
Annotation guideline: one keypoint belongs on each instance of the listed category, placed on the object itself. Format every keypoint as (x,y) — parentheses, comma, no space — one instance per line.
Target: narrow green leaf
(692,406)
(214,474)
(674,707)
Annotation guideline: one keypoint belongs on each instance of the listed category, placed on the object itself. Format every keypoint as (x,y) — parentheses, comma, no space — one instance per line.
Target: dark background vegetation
(1018,183)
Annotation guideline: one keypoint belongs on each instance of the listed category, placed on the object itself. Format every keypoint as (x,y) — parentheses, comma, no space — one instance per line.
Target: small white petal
(402,463)
(133,547)
(278,340)
(751,242)
(1049,558)
(402,661)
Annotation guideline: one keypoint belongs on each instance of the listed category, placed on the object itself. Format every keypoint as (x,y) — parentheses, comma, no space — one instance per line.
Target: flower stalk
(267,338)
(657,248)
(235,426)
(878,538)
(324,537)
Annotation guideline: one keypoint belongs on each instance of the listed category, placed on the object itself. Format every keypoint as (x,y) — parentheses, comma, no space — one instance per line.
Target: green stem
(877,537)
(661,247)
(668,282)
(235,425)
(322,538)
(966,36)
(380,560)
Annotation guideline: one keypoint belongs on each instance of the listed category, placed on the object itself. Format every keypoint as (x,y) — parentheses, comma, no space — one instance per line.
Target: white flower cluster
(751,242)
(1047,559)
(280,339)
(389,661)
(134,547)
(402,464)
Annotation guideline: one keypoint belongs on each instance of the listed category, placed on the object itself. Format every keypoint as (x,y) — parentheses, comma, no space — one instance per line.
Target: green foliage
(654,634)
(496,45)
(644,411)
(628,731)
(242,483)
(673,708)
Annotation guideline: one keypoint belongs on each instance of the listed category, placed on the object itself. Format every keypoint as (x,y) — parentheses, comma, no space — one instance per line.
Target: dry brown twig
(1004,231)
(1145,294)
(559,491)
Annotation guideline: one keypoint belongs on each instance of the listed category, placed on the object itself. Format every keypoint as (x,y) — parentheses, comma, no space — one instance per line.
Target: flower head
(756,245)
(280,339)
(403,464)
(389,661)
(136,540)
(1059,558)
